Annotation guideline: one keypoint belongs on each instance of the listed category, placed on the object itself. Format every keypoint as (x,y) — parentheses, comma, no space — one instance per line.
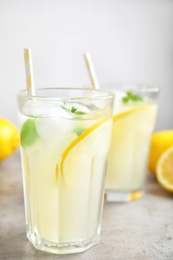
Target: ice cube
(55,133)
(60,112)
(37,108)
(53,127)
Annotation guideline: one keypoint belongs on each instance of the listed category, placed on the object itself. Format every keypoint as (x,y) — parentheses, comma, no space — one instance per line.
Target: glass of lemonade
(134,116)
(65,139)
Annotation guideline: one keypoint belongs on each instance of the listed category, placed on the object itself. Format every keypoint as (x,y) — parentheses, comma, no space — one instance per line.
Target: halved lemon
(77,158)
(165,170)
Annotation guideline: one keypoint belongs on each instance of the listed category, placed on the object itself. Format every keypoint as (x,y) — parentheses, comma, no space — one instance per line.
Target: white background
(129,40)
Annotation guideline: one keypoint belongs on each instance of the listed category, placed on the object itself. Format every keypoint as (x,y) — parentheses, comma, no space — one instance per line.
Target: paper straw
(91,69)
(29,72)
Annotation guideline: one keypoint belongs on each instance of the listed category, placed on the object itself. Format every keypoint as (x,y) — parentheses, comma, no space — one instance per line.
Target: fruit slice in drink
(129,148)
(82,170)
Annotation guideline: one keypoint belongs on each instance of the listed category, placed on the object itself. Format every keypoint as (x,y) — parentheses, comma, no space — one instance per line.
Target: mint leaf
(136,98)
(79,113)
(125,99)
(79,130)
(129,93)
(63,107)
(131,97)
(73,110)
(28,133)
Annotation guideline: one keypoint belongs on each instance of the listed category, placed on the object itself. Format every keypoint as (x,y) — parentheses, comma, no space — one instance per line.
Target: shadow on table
(154,188)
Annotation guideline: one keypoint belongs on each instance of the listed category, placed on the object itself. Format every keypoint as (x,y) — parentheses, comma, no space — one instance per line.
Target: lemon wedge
(77,157)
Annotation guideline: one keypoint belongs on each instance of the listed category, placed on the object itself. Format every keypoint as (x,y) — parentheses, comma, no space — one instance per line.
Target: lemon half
(165,170)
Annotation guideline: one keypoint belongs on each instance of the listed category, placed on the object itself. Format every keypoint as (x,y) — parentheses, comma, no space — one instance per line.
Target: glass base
(63,248)
(122,196)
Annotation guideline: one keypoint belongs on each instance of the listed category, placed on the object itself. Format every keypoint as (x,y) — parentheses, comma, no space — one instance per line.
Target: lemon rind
(79,139)
(130,111)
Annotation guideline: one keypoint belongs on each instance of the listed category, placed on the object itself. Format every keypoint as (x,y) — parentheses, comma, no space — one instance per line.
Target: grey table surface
(141,229)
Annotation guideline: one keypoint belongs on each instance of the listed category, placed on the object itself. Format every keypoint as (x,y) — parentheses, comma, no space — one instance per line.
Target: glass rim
(141,87)
(106,94)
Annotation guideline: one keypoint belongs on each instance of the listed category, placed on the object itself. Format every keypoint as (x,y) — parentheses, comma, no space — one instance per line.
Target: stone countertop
(137,230)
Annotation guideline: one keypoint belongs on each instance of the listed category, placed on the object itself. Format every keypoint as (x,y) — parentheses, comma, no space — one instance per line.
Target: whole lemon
(160,142)
(9,138)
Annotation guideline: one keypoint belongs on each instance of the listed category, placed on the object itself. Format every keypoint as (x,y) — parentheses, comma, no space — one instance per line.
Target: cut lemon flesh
(80,153)
(165,170)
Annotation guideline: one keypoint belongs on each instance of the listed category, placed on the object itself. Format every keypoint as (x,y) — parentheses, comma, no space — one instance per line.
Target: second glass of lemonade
(134,117)
(65,139)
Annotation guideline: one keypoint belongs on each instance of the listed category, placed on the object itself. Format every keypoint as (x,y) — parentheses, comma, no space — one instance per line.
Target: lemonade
(133,123)
(64,154)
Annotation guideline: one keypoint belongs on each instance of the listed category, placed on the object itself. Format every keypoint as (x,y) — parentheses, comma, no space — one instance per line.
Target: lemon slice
(130,111)
(141,117)
(77,158)
(165,170)
(129,148)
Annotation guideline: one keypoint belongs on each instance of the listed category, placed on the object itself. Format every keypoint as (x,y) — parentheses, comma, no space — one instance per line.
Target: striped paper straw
(91,69)
(29,72)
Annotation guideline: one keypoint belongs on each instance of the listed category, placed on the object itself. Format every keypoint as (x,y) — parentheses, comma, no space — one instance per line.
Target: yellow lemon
(165,170)
(160,142)
(9,138)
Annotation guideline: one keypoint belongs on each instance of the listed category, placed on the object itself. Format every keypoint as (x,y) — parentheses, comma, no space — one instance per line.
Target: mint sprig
(73,110)
(130,97)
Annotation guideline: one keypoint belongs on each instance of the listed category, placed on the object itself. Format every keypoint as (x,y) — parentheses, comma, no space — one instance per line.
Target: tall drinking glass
(65,138)
(134,116)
